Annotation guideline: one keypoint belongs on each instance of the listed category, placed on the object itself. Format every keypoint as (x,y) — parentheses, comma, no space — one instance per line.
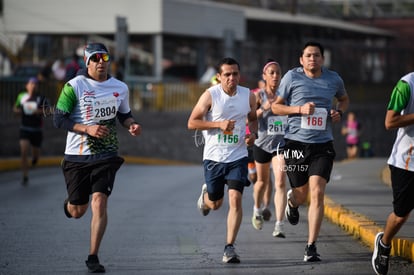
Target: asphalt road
(155,228)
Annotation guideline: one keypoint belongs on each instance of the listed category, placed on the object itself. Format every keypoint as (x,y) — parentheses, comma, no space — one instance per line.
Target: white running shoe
(200,202)
(279,231)
(230,255)
(257,221)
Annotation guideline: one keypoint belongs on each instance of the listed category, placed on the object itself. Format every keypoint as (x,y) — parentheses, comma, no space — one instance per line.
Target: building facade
(170,40)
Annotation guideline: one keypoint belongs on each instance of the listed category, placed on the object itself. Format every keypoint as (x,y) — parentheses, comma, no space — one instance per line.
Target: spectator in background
(59,73)
(214,80)
(59,70)
(117,68)
(261,84)
(351,130)
(251,165)
(29,105)
(46,72)
(72,68)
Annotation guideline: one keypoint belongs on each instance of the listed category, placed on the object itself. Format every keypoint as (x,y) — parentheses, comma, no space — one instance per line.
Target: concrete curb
(364,229)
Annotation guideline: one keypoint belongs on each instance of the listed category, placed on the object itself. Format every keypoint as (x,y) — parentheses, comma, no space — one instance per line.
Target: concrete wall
(165,136)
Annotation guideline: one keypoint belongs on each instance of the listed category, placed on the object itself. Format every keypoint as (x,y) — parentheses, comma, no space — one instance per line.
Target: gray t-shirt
(297,89)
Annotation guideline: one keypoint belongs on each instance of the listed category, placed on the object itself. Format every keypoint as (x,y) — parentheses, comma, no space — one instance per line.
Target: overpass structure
(167,33)
(336,8)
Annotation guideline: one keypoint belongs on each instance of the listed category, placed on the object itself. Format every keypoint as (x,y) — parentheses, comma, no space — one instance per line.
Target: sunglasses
(97,57)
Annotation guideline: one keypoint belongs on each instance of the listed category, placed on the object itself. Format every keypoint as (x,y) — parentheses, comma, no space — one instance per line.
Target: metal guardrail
(165,96)
(143,96)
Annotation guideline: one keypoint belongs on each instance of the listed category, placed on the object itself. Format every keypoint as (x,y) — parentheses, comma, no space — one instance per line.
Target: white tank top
(402,153)
(227,146)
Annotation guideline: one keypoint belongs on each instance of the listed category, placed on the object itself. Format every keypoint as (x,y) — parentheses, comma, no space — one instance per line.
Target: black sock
(93,258)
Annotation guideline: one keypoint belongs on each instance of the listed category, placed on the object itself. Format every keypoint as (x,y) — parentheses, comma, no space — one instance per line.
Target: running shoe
(200,202)
(266,214)
(292,213)
(381,256)
(310,254)
(257,221)
(93,265)
(25,181)
(65,209)
(279,231)
(34,161)
(230,255)
(247,183)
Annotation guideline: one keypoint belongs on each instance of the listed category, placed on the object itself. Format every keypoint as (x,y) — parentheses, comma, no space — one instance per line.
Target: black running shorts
(402,190)
(303,160)
(35,137)
(83,179)
(261,156)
